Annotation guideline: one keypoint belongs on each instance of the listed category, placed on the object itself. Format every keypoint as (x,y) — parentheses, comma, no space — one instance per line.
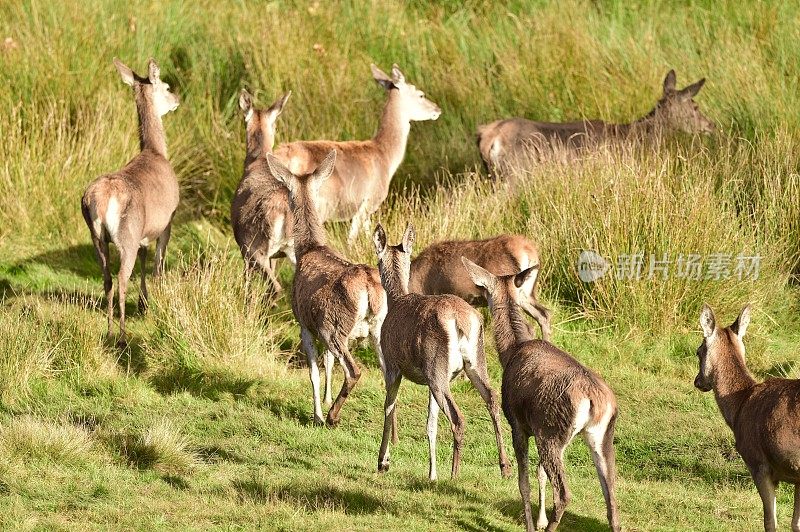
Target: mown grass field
(204,421)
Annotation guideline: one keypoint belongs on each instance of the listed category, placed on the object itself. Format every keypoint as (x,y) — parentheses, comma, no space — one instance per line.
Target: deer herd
(417,312)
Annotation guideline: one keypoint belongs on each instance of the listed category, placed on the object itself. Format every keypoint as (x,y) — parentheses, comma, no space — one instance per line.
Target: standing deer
(438,270)
(430,339)
(503,142)
(763,416)
(260,212)
(136,204)
(333,299)
(551,396)
(364,168)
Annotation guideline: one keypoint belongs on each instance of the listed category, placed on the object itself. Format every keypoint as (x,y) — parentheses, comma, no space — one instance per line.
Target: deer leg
(541,476)
(796,514)
(328,359)
(161,250)
(351,376)
(552,458)
(311,356)
(433,426)
(143,287)
(601,444)
(541,315)
(520,442)
(766,489)
(127,259)
(480,379)
(101,250)
(375,334)
(358,221)
(389,406)
(456,419)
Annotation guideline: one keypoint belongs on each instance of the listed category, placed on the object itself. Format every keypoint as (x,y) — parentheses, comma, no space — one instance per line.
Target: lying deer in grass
(333,299)
(439,270)
(364,169)
(551,396)
(430,339)
(510,141)
(260,212)
(763,416)
(136,204)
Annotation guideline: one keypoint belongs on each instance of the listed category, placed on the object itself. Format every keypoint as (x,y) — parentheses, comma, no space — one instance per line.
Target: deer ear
(280,172)
(478,275)
(381,78)
(669,82)
(153,72)
(124,72)
(246,104)
(397,77)
(522,277)
(379,239)
(740,325)
(277,107)
(691,91)
(408,238)
(707,321)
(325,168)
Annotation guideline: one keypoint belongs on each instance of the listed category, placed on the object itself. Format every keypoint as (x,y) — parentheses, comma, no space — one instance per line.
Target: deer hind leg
(552,458)
(542,316)
(328,359)
(161,250)
(433,427)
(600,440)
(456,419)
(541,476)
(389,407)
(127,259)
(796,514)
(480,379)
(766,489)
(520,442)
(359,220)
(103,257)
(143,296)
(311,356)
(351,376)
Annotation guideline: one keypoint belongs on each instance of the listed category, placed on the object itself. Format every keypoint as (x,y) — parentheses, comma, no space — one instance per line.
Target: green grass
(204,421)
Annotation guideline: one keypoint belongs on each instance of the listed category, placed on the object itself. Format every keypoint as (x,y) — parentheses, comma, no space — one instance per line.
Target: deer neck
(393,285)
(646,126)
(259,143)
(510,328)
(392,135)
(732,386)
(307,231)
(151,128)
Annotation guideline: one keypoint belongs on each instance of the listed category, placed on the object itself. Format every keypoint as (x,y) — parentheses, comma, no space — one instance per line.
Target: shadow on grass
(79,260)
(512,508)
(203,384)
(311,499)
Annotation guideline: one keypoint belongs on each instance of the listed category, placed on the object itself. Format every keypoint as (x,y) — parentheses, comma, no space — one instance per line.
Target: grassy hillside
(204,421)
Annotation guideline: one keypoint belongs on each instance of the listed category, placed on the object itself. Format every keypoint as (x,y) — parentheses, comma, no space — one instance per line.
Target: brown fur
(328,289)
(364,168)
(543,389)
(438,270)
(145,193)
(763,416)
(260,213)
(417,341)
(515,141)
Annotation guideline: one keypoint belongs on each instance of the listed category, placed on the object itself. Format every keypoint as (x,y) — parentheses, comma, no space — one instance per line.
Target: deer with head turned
(438,270)
(334,300)
(136,204)
(517,140)
(260,211)
(429,340)
(551,396)
(763,416)
(364,168)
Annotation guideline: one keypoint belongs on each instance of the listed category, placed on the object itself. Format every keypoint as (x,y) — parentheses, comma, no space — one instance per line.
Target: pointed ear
(153,72)
(325,168)
(397,77)
(246,104)
(707,321)
(277,106)
(669,82)
(280,172)
(381,77)
(478,275)
(522,277)
(691,91)
(379,239)
(740,325)
(125,73)
(408,238)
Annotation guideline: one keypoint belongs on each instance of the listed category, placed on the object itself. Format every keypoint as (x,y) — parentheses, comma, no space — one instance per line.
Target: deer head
(415,105)
(677,109)
(394,262)
(718,344)
(152,87)
(259,122)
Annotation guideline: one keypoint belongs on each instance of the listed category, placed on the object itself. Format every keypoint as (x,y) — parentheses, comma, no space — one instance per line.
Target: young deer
(763,416)
(333,299)
(502,141)
(260,212)
(439,270)
(136,204)
(364,169)
(551,396)
(430,339)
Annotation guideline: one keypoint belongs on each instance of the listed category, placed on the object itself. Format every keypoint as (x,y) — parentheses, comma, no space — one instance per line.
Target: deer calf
(512,141)
(136,204)
(551,396)
(438,270)
(333,299)
(430,339)
(763,416)
(260,212)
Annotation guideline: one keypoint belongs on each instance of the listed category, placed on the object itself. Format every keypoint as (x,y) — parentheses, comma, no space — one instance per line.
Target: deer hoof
(383,467)
(505,470)
(318,421)
(332,421)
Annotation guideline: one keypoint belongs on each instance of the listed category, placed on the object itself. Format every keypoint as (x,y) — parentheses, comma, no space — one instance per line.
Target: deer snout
(700,384)
(436,112)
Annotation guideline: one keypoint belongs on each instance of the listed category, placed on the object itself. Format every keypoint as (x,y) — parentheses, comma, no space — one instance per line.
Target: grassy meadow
(204,421)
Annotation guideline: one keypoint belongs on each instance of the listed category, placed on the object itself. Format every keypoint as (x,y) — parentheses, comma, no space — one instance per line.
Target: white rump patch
(361,329)
(581,416)
(112,218)
(462,349)
(595,432)
(495,150)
